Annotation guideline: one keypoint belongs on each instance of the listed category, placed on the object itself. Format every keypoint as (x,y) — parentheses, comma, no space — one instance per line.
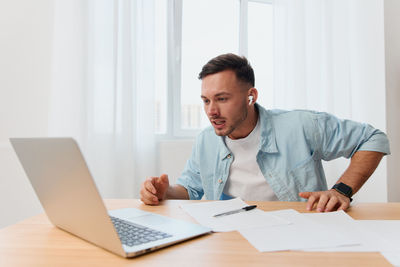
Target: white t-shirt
(245,178)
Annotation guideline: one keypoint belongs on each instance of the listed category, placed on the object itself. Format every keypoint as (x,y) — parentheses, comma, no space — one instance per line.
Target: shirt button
(220,181)
(229,156)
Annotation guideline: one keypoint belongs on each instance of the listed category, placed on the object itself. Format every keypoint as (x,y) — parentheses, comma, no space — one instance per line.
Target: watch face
(344,189)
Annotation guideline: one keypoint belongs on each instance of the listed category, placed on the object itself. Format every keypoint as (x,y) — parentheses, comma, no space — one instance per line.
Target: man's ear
(252,95)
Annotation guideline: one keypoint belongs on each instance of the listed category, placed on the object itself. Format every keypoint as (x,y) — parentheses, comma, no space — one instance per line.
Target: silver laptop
(68,194)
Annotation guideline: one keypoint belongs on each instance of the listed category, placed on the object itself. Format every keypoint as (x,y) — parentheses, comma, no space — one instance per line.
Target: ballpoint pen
(236,211)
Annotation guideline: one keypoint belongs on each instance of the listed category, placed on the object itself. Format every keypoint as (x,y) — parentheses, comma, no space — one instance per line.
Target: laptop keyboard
(132,234)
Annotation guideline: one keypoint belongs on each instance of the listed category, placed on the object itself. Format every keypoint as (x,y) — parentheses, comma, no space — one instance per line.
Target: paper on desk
(388,230)
(393,257)
(203,213)
(369,240)
(303,233)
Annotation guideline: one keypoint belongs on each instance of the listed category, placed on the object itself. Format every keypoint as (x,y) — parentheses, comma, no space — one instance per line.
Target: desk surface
(35,242)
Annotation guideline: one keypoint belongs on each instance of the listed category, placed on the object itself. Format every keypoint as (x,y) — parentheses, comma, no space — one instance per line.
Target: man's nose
(212,110)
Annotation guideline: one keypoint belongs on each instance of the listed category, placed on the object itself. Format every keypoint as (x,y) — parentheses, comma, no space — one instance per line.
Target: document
(369,239)
(302,233)
(393,257)
(375,235)
(204,213)
(388,230)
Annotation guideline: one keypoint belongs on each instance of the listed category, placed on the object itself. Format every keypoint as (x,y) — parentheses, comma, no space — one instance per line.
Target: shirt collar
(224,151)
(268,138)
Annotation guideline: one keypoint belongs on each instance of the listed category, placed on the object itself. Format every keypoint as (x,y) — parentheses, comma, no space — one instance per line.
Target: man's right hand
(154,189)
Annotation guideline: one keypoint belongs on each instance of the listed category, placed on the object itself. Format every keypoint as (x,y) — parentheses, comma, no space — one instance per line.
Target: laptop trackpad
(150,220)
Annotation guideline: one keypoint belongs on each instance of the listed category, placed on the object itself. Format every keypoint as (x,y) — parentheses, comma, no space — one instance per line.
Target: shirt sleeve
(342,138)
(190,177)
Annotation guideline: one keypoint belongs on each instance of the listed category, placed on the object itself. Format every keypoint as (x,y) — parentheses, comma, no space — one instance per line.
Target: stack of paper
(291,230)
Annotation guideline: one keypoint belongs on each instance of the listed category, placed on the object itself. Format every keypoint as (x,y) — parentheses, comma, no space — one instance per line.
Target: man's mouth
(218,123)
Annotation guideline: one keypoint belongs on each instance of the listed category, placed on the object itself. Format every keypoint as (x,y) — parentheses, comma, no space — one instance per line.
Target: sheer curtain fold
(329,56)
(103,88)
(310,41)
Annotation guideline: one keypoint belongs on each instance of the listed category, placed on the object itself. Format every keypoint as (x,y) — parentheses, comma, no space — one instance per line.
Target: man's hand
(326,201)
(154,189)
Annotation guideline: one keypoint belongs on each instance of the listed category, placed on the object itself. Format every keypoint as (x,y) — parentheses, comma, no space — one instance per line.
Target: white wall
(392,49)
(25,65)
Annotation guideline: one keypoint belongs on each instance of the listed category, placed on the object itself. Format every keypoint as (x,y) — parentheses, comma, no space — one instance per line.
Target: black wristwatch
(344,189)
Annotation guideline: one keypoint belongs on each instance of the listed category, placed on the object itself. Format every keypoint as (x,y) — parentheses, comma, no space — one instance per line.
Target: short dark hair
(240,65)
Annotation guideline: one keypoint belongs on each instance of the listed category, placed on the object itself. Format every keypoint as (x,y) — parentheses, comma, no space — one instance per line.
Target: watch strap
(344,189)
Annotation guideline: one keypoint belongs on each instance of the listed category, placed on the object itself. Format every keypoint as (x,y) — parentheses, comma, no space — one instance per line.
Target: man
(259,154)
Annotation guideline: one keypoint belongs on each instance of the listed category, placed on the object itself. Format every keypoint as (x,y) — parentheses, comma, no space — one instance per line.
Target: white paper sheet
(369,240)
(203,213)
(393,257)
(388,230)
(303,233)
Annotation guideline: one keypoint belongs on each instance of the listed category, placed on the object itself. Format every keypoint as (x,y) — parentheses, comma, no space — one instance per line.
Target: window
(197,31)
(206,32)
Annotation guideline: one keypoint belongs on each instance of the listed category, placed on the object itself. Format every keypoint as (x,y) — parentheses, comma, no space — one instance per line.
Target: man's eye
(222,99)
(206,101)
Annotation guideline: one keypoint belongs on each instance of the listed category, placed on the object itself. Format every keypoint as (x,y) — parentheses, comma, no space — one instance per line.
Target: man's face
(225,103)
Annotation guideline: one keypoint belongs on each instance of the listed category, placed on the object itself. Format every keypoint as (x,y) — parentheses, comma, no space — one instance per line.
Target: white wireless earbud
(250,99)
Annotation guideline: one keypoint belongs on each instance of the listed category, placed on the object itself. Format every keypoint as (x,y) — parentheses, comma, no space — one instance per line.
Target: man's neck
(248,126)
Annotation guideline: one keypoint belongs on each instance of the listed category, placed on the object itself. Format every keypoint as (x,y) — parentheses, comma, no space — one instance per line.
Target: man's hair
(240,65)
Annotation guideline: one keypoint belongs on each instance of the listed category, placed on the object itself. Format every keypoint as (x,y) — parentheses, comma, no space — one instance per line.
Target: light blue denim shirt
(292,145)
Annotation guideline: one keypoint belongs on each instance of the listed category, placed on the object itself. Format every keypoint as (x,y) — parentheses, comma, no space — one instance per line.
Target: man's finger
(332,203)
(161,183)
(164,179)
(149,185)
(305,194)
(147,201)
(311,201)
(344,206)
(323,199)
(148,198)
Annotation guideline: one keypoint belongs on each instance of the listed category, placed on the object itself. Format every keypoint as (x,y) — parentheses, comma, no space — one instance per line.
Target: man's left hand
(326,201)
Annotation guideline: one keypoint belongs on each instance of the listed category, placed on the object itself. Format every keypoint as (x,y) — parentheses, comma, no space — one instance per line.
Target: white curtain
(103,88)
(329,56)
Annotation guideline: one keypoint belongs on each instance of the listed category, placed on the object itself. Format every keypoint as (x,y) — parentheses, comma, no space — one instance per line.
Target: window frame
(174,60)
